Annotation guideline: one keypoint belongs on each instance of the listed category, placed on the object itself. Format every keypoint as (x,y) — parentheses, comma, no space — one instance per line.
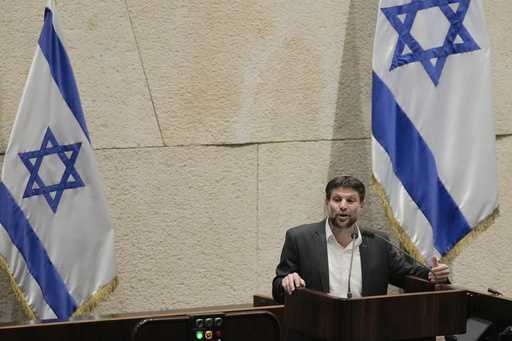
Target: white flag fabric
(433,137)
(56,237)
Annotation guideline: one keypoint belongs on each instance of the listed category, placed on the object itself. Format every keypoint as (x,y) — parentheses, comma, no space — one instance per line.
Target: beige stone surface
(185,224)
(18,37)
(239,71)
(498,14)
(105,60)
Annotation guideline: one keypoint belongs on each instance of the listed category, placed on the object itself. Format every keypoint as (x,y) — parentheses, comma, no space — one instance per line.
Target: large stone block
(18,38)
(499,26)
(185,226)
(238,71)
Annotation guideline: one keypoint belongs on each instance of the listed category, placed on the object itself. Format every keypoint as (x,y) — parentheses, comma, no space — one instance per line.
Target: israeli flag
(433,137)
(56,237)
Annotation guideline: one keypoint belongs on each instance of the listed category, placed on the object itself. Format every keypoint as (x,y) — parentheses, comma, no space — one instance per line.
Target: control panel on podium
(230,323)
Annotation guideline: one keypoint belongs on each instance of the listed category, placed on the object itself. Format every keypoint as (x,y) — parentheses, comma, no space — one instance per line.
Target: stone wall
(217,124)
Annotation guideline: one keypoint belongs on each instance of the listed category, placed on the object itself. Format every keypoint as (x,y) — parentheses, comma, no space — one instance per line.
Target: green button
(199,335)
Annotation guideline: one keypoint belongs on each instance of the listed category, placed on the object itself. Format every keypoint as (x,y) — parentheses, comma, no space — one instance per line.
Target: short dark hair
(345,181)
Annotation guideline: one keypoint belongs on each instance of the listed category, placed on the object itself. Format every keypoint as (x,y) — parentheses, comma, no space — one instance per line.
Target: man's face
(343,207)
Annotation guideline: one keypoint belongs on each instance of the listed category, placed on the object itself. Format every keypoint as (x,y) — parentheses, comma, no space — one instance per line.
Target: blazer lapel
(364,252)
(321,255)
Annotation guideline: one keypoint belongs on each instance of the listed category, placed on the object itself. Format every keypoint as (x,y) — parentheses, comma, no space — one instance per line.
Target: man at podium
(338,257)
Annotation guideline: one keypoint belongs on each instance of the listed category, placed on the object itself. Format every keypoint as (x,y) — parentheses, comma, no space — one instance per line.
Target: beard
(342,223)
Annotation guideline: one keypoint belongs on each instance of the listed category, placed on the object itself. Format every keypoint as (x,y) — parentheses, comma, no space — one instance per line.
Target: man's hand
(291,282)
(439,272)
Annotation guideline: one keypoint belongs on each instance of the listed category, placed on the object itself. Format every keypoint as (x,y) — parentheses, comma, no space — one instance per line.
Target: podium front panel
(393,317)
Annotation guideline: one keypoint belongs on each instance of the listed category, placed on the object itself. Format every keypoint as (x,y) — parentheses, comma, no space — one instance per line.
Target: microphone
(402,251)
(494,292)
(354,236)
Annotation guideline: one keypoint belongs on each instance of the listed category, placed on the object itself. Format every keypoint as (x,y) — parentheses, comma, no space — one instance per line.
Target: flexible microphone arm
(402,251)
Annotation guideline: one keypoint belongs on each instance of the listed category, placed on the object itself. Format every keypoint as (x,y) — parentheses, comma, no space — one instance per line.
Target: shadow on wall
(351,146)
(352,116)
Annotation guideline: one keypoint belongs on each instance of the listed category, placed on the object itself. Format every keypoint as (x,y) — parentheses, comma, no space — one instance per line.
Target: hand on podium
(291,282)
(439,272)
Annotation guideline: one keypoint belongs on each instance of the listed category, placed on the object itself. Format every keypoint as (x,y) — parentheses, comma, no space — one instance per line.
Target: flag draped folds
(56,238)
(433,140)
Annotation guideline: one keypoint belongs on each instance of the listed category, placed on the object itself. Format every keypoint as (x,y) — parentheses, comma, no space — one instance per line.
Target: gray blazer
(305,252)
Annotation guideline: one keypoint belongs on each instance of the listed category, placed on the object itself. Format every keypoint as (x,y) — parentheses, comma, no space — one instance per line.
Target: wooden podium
(415,315)
(239,322)
(407,316)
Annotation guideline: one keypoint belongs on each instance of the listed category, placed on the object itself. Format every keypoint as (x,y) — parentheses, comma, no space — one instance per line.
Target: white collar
(330,235)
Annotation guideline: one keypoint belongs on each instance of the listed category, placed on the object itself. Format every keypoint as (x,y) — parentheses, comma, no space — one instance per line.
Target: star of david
(70,178)
(457,40)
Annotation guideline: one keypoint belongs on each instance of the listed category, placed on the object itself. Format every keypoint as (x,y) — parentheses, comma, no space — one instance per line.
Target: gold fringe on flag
(18,293)
(475,231)
(90,303)
(409,245)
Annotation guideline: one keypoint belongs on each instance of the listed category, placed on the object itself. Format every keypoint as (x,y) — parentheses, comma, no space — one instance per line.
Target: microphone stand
(402,251)
(354,237)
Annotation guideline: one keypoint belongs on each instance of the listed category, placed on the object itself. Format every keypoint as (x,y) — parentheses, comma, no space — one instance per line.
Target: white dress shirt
(339,265)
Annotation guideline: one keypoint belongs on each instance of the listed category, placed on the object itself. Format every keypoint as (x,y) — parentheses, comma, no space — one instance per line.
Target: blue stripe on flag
(415,166)
(39,264)
(61,70)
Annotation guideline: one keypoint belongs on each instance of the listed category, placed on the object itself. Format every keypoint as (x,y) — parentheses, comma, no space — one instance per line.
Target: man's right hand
(291,282)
